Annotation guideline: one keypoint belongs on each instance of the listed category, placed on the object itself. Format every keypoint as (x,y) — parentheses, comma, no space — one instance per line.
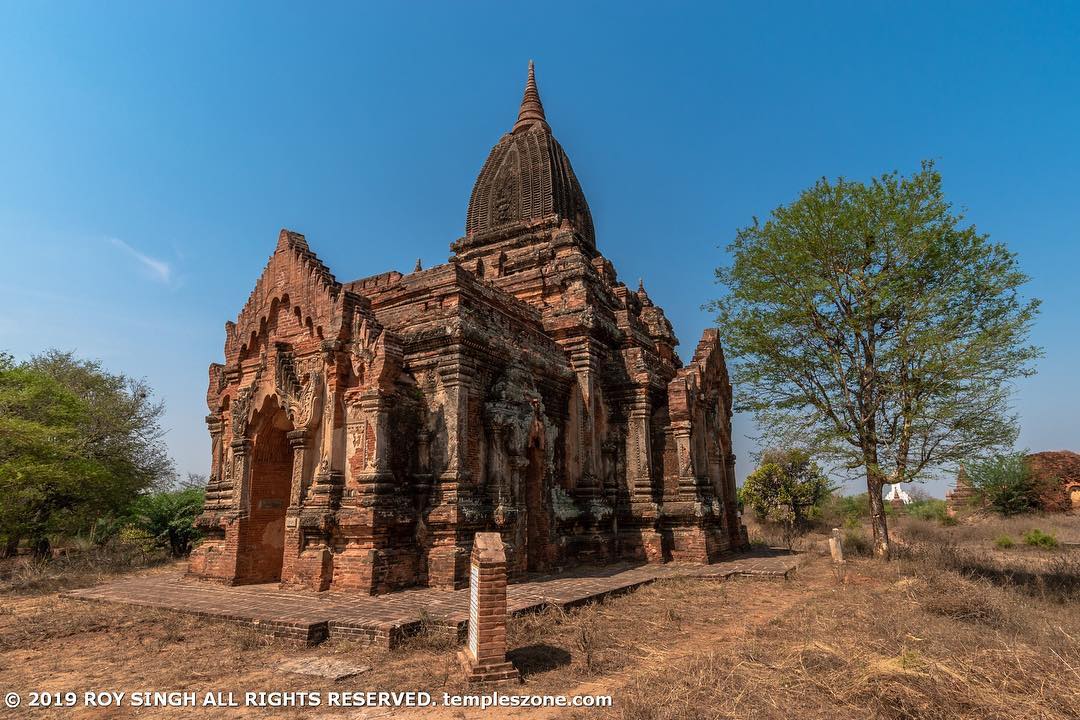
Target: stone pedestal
(484,656)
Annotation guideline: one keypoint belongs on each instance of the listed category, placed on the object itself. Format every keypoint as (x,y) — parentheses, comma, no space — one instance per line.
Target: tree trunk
(41,547)
(874,484)
(10,548)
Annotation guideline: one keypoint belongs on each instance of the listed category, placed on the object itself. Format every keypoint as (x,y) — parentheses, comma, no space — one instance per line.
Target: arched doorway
(1074,495)
(271,480)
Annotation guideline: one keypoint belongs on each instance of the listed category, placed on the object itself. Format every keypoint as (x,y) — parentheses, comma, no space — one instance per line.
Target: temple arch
(262,532)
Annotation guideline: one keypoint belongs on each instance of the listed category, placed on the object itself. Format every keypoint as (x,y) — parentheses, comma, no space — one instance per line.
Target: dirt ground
(909,638)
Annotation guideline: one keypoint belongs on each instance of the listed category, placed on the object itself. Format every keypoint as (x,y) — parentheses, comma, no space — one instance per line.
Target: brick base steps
(386,620)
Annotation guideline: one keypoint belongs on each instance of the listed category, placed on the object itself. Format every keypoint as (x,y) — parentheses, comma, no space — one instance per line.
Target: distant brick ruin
(363,432)
(1059,471)
(1056,474)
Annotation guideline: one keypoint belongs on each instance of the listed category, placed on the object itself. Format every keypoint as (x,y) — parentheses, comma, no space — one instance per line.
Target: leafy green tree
(76,444)
(871,324)
(786,488)
(42,468)
(1006,483)
(123,427)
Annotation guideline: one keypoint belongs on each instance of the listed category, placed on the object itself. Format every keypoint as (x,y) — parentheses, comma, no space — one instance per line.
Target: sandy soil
(52,644)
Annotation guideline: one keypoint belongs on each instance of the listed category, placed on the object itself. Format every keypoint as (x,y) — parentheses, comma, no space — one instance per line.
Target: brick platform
(385,619)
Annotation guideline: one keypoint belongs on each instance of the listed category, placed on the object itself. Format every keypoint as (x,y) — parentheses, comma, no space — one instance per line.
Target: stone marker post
(836,546)
(484,657)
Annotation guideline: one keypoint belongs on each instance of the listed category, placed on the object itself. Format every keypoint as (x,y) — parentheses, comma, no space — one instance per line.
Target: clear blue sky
(151,152)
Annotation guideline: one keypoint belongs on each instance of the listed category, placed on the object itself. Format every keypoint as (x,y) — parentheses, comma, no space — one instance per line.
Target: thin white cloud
(158,269)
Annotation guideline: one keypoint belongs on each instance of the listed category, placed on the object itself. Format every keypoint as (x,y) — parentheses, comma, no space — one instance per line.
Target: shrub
(76,443)
(1006,483)
(1037,538)
(927,509)
(853,506)
(135,538)
(787,488)
(1004,542)
(169,518)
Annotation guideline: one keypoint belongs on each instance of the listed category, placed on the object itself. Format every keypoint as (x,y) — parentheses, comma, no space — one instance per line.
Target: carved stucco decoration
(374,354)
(518,421)
(301,397)
(242,406)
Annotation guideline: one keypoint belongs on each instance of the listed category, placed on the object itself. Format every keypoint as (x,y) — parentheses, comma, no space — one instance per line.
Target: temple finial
(418,267)
(532,110)
(642,295)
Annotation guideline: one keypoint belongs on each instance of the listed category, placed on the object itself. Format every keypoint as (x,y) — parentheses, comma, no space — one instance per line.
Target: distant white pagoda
(897,495)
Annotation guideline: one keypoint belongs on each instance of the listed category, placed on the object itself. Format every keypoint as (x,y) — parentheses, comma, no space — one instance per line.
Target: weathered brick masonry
(363,432)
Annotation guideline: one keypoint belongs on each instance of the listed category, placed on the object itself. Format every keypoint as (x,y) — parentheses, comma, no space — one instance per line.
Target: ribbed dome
(527,177)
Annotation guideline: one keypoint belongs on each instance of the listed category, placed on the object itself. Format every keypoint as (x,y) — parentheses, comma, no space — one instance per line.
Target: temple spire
(532,110)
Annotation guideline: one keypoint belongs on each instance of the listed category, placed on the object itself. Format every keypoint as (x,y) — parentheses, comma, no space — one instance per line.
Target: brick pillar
(241,501)
(234,559)
(639,451)
(294,538)
(640,540)
(484,656)
(447,520)
(688,479)
(219,488)
(378,555)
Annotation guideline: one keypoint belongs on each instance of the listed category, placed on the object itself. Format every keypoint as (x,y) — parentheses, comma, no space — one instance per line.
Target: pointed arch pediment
(296,282)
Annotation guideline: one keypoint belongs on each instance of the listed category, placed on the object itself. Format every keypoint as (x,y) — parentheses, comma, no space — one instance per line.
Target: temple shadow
(532,659)
(762,552)
(592,570)
(586,570)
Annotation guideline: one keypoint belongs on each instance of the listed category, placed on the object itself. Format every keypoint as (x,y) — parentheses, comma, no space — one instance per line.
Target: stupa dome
(527,180)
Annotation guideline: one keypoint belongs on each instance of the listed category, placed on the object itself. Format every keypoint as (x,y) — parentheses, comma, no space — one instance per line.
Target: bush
(787,488)
(1056,578)
(1037,538)
(927,509)
(853,509)
(963,598)
(169,518)
(1006,483)
(133,537)
(1004,542)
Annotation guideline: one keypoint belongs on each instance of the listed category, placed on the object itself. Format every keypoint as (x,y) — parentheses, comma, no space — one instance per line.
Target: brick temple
(363,432)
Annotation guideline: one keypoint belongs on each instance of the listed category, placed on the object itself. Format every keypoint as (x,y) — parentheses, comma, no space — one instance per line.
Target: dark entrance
(263,538)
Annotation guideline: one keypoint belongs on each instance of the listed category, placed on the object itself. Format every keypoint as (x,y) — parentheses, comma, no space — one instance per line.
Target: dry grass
(932,635)
(933,647)
(984,529)
(28,575)
(605,638)
(973,552)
